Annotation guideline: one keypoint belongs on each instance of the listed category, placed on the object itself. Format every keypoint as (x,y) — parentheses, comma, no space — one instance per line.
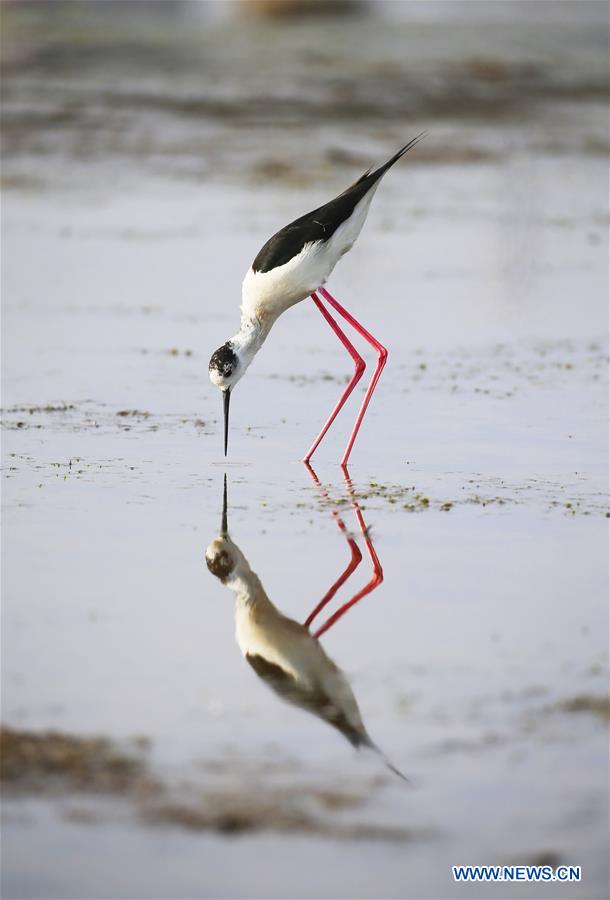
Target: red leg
(352,565)
(381,361)
(328,596)
(358,372)
(377,570)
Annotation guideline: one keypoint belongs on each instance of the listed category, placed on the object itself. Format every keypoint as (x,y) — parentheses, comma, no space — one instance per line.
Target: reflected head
(219,559)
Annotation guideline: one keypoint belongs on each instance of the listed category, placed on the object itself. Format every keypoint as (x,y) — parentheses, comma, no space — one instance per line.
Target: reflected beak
(224,523)
(226,398)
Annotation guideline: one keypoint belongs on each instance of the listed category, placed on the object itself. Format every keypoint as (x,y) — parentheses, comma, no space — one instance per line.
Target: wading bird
(294,264)
(284,654)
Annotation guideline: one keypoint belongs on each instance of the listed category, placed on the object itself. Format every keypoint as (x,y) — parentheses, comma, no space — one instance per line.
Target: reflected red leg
(358,372)
(377,570)
(382,355)
(352,565)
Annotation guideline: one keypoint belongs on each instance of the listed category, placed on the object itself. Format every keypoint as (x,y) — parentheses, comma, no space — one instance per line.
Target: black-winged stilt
(284,654)
(294,264)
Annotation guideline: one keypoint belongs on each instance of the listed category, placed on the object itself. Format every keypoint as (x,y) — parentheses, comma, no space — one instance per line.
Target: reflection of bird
(282,652)
(294,264)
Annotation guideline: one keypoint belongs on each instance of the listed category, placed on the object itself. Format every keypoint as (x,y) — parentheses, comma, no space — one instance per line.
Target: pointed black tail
(378,173)
(365,741)
(366,181)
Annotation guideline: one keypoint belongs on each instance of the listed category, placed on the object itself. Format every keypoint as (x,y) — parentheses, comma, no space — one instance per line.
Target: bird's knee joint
(383,354)
(360,366)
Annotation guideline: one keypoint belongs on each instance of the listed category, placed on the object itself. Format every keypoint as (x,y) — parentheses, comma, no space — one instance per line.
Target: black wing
(321,223)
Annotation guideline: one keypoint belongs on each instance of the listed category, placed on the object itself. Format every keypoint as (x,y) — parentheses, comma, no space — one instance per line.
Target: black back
(321,223)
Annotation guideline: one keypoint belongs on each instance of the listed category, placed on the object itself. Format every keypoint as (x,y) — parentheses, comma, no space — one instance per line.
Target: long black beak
(224,524)
(226,399)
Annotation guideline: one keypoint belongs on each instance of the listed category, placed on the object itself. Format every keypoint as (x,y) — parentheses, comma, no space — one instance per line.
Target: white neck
(246,586)
(248,340)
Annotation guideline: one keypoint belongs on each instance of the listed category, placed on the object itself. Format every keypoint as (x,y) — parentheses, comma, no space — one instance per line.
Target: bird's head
(225,367)
(221,558)
(226,562)
(230,362)
(225,370)
(222,555)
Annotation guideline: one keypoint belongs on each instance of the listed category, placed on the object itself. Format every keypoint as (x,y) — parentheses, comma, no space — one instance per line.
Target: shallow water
(480,664)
